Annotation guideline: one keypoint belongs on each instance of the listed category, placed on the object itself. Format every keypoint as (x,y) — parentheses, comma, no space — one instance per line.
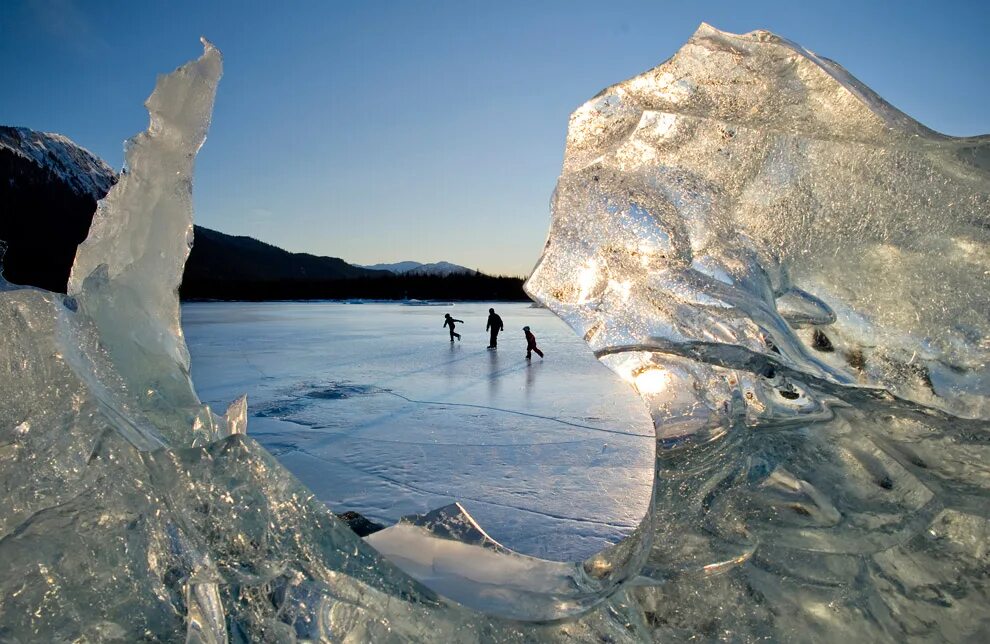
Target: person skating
(449,321)
(531,344)
(494,325)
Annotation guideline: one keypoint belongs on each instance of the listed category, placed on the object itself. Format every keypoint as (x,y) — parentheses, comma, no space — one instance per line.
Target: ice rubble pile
(131,511)
(746,233)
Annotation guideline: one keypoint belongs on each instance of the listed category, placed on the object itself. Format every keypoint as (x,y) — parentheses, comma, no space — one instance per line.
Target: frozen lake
(376,411)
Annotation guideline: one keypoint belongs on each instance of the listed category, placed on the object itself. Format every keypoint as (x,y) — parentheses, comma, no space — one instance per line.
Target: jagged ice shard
(791,273)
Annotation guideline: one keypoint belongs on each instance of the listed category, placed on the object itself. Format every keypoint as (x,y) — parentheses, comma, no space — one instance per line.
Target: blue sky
(385,131)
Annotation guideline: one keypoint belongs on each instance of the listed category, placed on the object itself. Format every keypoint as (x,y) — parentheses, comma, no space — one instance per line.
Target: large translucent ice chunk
(792,274)
(750,199)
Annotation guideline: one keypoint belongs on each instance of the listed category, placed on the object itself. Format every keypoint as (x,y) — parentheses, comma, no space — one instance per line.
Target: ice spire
(127,273)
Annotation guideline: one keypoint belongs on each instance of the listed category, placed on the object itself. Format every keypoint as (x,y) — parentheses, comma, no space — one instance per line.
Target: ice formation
(793,276)
(750,194)
(789,271)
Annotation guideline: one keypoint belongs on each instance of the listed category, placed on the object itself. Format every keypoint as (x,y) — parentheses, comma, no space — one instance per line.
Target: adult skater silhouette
(449,321)
(531,344)
(494,325)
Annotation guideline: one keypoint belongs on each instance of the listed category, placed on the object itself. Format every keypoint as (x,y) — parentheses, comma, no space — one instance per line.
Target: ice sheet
(376,411)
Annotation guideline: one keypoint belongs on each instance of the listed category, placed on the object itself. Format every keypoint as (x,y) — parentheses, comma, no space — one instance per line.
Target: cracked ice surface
(375,411)
(790,272)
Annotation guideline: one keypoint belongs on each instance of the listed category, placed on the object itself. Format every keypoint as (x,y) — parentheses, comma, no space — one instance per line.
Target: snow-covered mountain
(419,268)
(49,187)
(77,167)
(441,268)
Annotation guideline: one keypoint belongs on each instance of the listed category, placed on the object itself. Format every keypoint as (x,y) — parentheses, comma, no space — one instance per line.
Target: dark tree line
(394,287)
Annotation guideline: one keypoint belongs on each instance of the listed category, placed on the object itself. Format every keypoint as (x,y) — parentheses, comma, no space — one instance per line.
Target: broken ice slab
(454,523)
(448,551)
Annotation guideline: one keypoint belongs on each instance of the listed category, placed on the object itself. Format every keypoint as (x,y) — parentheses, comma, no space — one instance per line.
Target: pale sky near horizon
(388,131)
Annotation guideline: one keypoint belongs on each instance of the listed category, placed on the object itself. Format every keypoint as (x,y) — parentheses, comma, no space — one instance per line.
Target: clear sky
(386,131)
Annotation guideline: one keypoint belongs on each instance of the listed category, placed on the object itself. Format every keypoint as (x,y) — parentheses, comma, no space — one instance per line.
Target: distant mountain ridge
(218,256)
(419,268)
(49,187)
(397,267)
(77,167)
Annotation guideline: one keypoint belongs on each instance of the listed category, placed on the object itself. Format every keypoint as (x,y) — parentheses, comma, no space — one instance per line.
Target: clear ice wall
(789,271)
